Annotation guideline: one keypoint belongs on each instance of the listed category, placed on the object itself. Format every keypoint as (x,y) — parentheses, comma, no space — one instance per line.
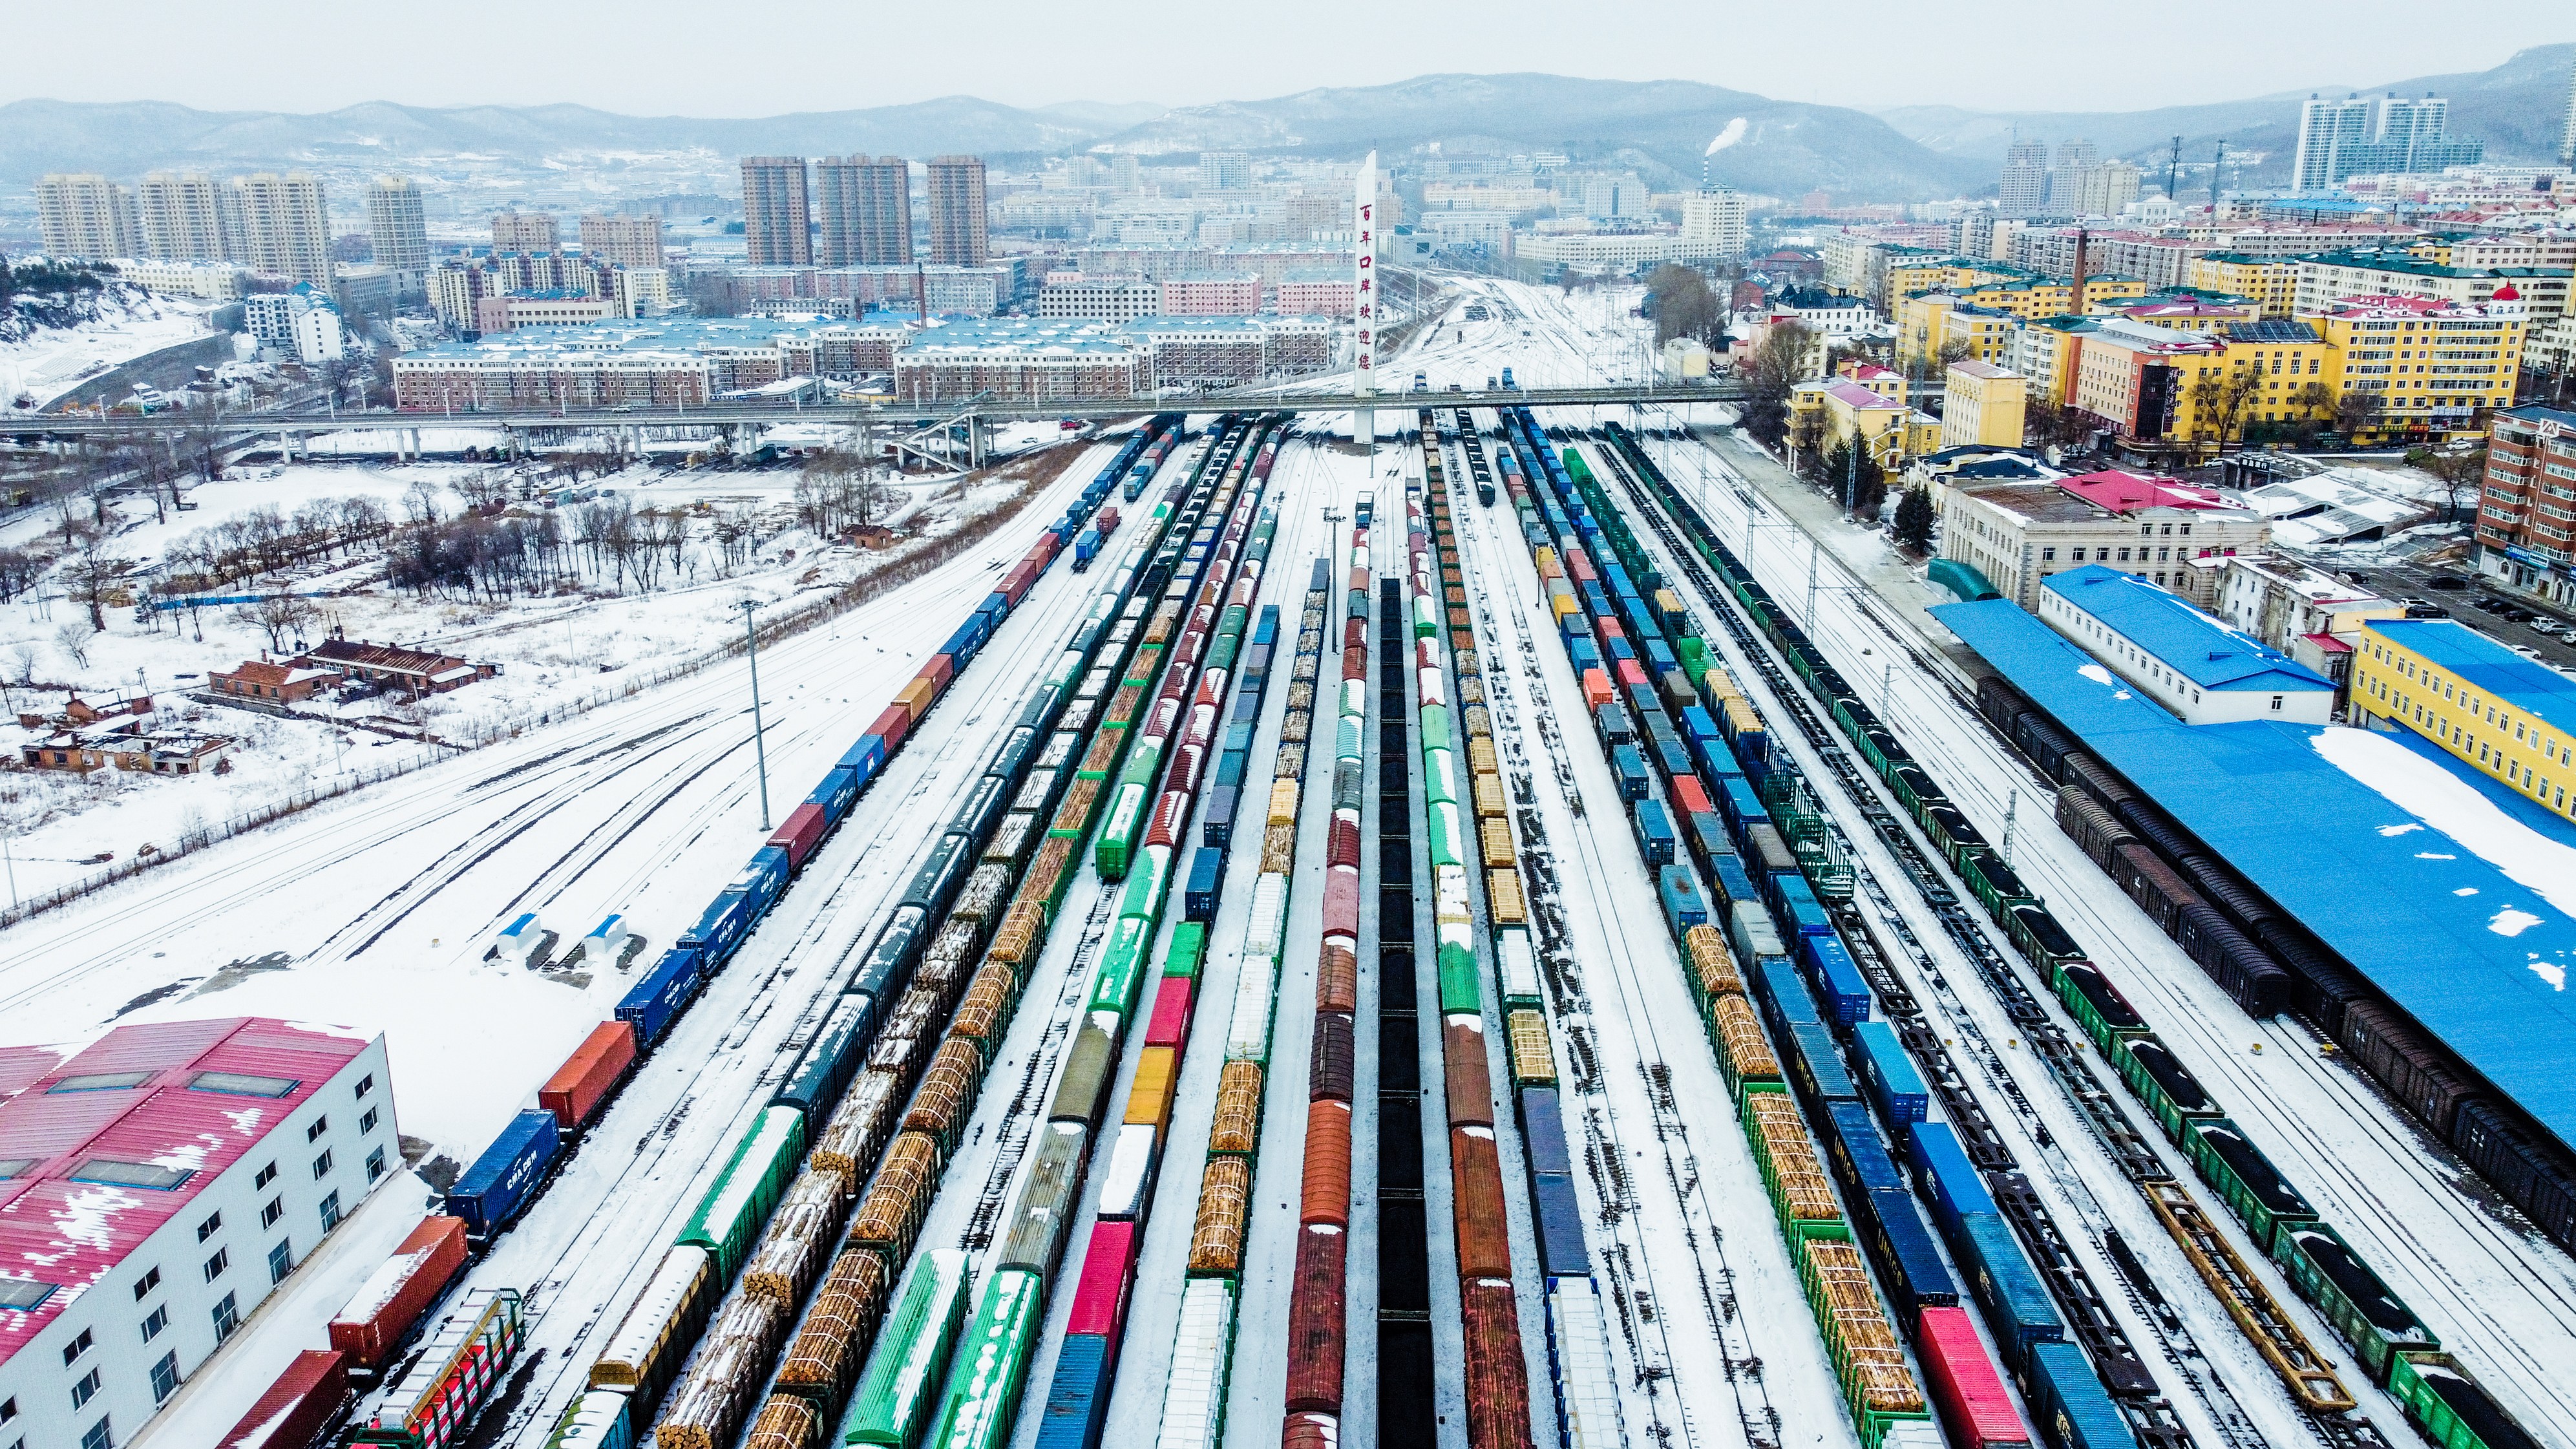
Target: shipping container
(2069,1403)
(381,1314)
(2009,1290)
(1964,1383)
(1888,1075)
(498,1186)
(296,1407)
(1318,1312)
(1947,1177)
(660,1327)
(901,1388)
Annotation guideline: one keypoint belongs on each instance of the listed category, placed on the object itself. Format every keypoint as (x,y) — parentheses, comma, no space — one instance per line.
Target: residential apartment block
(955,197)
(86,215)
(776,214)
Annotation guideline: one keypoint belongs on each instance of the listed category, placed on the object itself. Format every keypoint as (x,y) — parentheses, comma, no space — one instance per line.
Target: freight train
(2400,1353)
(438,1397)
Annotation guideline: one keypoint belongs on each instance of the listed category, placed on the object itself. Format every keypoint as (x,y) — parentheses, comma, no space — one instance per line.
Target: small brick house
(277,683)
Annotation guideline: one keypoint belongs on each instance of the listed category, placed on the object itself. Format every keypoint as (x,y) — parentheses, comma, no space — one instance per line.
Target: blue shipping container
(2006,1286)
(840,786)
(1947,1177)
(1655,832)
(1630,767)
(864,758)
(1543,1131)
(1216,826)
(1860,1159)
(762,880)
(1783,993)
(1734,882)
(1559,1215)
(1198,898)
(1620,649)
(656,997)
(814,1085)
(720,930)
(1841,989)
(2070,1405)
(1077,1402)
(1684,906)
(1908,1262)
(1820,1073)
(499,1183)
(1888,1075)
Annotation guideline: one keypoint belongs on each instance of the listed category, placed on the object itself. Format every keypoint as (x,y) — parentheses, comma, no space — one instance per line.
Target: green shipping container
(2261,1198)
(728,1218)
(900,1389)
(1435,728)
(1146,881)
(1118,831)
(2432,1386)
(1440,776)
(1188,949)
(1459,989)
(1121,973)
(1451,844)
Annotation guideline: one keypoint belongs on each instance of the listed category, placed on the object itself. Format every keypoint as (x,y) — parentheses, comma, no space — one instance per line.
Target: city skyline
(1167,55)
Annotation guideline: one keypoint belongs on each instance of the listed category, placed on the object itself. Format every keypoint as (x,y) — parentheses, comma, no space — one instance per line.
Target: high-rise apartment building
(864,210)
(285,226)
(86,215)
(526,231)
(1126,173)
(956,198)
(189,216)
(397,228)
(2337,139)
(2025,182)
(2567,143)
(625,241)
(776,214)
(1713,224)
(1224,171)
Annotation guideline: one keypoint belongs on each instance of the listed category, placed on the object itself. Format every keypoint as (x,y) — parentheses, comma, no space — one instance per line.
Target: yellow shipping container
(1548,567)
(1566,604)
(916,697)
(1149,1101)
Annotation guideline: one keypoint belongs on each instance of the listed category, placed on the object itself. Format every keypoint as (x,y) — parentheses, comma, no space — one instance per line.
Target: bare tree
(277,616)
(2356,411)
(2460,474)
(74,636)
(2220,403)
(91,574)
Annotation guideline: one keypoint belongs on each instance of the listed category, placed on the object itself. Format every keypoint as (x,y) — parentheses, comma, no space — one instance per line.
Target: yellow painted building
(1909,274)
(2475,698)
(2281,358)
(1893,431)
(1929,321)
(2183,311)
(2271,282)
(1982,404)
(2044,355)
(2434,364)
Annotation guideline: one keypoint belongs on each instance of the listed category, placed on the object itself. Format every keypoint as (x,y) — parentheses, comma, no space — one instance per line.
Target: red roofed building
(2126,492)
(276,683)
(155,1187)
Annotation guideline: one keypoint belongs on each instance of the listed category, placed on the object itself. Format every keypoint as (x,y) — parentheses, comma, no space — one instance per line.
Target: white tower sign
(1364,299)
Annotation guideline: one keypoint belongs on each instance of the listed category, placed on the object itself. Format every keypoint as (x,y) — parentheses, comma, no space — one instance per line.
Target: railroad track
(2316,1393)
(1608,1150)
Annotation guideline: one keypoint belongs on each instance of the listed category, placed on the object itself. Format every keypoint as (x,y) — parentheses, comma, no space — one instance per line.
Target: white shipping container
(1587,1384)
(1449,899)
(1194,1388)
(1269,918)
(1354,698)
(1430,687)
(1247,1033)
(1516,963)
(1130,1173)
(630,1348)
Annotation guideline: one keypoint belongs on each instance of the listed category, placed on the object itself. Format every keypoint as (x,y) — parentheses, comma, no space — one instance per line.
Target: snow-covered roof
(98,1153)
(2455,899)
(2192,643)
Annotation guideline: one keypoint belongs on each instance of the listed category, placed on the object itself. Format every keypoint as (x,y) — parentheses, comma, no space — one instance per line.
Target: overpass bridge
(959,425)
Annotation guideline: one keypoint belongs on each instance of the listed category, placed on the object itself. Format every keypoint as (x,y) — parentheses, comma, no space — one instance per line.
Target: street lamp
(759,746)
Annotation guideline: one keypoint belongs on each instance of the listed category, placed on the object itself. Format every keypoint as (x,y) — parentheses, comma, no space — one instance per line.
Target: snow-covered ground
(51,361)
(561,648)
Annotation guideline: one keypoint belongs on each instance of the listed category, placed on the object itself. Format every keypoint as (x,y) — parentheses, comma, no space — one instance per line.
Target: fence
(909,564)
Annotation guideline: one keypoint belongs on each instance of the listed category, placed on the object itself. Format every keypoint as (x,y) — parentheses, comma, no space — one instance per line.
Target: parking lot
(2478,603)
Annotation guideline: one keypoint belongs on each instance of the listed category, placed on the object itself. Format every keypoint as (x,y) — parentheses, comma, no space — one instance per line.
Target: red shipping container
(1578,564)
(1609,628)
(1169,1026)
(1171,816)
(1015,584)
(1211,690)
(1596,689)
(1964,1384)
(1324,1188)
(1476,1204)
(800,832)
(376,1318)
(1470,1077)
(1108,1270)
(1342,901)
(1107,521)
(1318,1323)
(892,725)
(578,1087)
(1201,730)
(1631,672)
(939,671)
(1342,844)
(1498,1408)
(1189,761)
(1354,663)
(291,1414)
(1355,634)
(1360,579)
(1689,797)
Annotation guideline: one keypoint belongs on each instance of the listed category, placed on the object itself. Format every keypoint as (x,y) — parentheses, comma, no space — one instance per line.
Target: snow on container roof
(2487,666)
(2187,640)
(2463,914)
(94,1167)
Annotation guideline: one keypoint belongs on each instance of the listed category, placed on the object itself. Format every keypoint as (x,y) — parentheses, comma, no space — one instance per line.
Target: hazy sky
(764,57)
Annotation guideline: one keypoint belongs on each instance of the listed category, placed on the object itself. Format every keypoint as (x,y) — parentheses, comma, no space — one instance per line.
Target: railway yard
(1498,940)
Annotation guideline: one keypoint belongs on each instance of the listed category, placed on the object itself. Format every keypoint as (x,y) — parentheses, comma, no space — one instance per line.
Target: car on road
(2420,609)
(2446,582)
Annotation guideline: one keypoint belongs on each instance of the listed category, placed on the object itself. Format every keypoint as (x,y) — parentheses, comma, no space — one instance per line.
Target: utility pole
(759,745)
(1812,549)
(2012,807)
(2173,172)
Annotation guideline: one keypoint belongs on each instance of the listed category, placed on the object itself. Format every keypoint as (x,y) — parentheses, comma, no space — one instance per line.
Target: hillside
(2517,108)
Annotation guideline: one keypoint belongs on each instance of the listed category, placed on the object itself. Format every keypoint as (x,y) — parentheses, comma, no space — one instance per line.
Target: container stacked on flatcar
(2395,1347)
(1586,1389)
(1620,628)
(1318,1307)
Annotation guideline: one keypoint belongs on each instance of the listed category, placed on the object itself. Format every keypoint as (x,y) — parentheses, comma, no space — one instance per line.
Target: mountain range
(1662,128)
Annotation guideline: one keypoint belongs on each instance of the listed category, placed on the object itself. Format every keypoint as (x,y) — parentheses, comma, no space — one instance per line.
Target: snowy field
(52,361)
(593,636)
